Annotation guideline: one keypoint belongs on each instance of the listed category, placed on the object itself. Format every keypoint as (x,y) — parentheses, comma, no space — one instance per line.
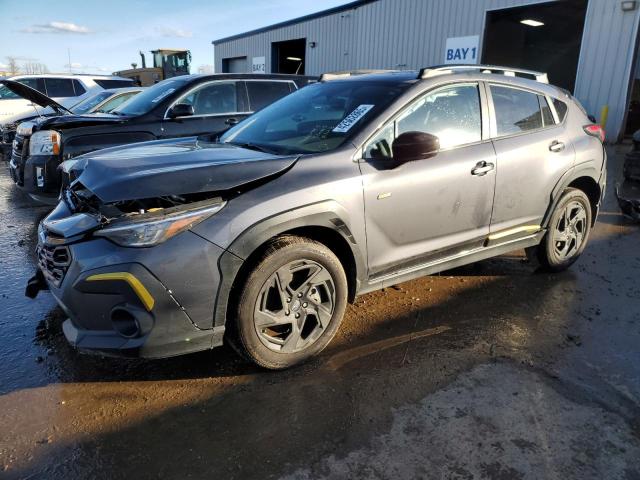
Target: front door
(426,210)
(216,106)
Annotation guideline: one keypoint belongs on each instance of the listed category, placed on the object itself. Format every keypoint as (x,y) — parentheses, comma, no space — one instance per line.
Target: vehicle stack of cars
(178,107)
(257,231)
(66,90)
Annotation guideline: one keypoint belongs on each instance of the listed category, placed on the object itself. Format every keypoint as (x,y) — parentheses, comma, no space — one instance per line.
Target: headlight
(149,232)
(46,142)
(25,129)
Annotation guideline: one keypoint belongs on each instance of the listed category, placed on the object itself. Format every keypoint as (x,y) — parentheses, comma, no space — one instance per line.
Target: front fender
(326,214)
(82,144)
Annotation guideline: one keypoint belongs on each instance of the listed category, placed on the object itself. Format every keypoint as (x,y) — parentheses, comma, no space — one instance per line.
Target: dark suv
(177,107)
(346,186)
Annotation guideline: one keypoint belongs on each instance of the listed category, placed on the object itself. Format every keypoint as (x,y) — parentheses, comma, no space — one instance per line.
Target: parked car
(66,90)
(102,102)
(178,107)
(628,192)
(346,186)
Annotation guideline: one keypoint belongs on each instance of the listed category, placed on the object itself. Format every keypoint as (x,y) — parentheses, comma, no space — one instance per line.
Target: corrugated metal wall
(412,33)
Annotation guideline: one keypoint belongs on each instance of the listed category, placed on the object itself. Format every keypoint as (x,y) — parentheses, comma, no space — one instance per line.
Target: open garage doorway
(545,37)
(288,56)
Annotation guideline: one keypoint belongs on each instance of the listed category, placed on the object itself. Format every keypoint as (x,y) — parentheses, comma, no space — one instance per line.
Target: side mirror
(410,146)
(181,110)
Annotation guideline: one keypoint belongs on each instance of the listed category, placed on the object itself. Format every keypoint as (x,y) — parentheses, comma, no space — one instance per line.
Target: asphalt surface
(490,371)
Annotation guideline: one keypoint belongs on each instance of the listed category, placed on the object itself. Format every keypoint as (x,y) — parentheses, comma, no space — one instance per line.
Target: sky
(105,36)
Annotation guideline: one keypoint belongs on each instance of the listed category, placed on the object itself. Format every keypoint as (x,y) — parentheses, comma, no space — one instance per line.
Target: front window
(150,98)
(212,98)
(450,113)
(317,118)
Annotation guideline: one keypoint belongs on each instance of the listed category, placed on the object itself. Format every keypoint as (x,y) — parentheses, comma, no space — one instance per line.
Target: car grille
(20,146)
(54,262)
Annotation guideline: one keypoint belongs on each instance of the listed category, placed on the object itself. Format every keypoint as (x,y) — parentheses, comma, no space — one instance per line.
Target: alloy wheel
(294,306)
(570,230)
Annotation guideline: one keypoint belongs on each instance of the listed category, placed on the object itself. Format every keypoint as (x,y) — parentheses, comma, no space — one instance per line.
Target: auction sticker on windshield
(350,120)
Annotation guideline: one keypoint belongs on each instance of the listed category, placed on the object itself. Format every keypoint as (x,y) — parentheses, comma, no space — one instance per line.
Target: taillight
(595,131)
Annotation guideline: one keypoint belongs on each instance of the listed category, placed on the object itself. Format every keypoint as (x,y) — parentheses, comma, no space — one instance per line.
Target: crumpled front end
(628,195)
(127,301)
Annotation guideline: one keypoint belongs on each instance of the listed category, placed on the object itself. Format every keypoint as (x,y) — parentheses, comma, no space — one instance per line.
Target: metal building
(586,46)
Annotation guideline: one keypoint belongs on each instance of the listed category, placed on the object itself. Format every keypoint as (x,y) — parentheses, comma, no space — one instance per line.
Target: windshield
(145,101)
(317,118)
(87,104)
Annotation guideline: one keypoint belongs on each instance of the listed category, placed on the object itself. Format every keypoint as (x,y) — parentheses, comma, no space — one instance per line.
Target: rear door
(426,210)
(533,150)
(216,105)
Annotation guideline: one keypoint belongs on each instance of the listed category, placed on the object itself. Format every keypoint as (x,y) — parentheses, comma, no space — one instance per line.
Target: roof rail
(429,72)
(349,73)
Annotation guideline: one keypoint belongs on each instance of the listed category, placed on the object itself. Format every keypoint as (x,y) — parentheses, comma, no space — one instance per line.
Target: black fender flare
(578,171)
(327,214)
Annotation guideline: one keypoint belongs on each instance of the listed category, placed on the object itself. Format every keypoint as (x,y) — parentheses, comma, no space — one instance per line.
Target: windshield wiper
(251,146)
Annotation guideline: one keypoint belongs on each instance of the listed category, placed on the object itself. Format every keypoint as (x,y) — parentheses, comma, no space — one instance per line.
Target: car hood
(174,167)
(63,122)
(33,95)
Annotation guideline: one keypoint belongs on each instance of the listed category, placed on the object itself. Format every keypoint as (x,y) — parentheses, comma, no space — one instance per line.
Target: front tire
(291,303)
(568,232)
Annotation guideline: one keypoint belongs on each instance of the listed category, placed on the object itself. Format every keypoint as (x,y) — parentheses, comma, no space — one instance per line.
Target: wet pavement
(488,371)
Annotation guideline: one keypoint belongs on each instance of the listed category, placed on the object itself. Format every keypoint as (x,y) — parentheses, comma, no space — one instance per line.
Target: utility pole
(69,58)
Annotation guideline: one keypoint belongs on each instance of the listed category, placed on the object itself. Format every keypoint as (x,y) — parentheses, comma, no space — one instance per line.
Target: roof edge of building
(293,21)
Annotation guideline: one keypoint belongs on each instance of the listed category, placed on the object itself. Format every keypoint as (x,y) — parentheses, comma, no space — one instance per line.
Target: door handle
(556,146)
(482,168)
(231,121)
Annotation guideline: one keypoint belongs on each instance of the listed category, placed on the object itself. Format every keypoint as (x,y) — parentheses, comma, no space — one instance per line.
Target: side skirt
(453,261)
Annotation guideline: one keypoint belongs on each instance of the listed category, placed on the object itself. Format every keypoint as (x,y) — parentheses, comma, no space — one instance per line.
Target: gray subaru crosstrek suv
(348,185)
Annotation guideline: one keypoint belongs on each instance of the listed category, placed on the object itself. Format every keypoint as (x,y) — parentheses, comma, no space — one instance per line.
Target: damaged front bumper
(628,195)
(131,302)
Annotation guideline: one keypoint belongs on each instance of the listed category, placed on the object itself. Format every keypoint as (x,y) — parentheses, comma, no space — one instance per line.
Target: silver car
(351,184)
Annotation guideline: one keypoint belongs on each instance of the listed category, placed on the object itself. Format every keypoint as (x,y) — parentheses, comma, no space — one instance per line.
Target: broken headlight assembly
(149,229)
(45,142)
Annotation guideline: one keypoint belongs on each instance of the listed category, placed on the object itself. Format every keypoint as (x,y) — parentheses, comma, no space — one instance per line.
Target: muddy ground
(489,371)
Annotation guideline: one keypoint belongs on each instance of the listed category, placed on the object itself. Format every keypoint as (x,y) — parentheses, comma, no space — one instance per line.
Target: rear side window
(113,83)
(77,86)
(262,93)
(59,87)
(547,116)
(517,111)
(561,109)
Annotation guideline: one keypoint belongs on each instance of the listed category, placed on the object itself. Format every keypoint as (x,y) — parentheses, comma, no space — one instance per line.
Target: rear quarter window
(561,109)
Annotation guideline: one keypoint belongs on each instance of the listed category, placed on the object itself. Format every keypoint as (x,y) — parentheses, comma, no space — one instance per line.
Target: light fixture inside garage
(532,23)
(294,59)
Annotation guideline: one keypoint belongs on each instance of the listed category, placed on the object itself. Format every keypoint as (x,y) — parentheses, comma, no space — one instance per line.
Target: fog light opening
(125,323)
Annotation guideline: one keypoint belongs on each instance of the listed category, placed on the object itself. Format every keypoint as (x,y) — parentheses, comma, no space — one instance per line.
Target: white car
(67,90)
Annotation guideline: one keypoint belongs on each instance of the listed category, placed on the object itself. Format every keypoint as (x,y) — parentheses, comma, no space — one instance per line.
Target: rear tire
(291,304)
(567,234)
